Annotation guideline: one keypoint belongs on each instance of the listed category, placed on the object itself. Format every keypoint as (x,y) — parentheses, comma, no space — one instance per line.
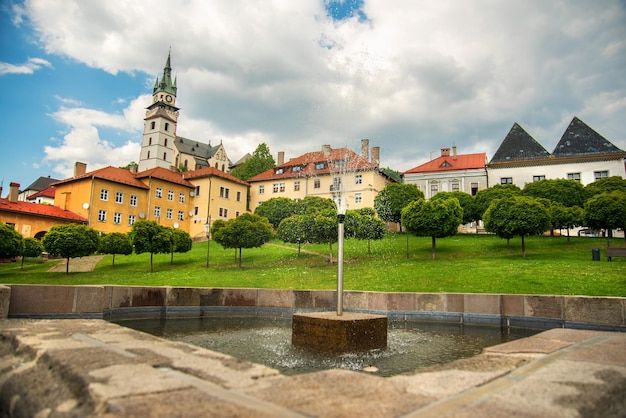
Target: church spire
(166,85)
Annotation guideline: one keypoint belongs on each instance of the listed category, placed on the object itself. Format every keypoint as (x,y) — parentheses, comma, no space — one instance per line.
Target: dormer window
(446,164)
(320,165)
(296,169)
(279,170)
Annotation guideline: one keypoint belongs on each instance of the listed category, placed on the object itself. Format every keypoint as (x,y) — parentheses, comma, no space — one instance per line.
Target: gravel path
(81,264)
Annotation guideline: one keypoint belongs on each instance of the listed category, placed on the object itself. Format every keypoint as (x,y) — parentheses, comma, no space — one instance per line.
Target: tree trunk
(523,247)
(331,251)
(369,247)
(67,266)
(407,244)
(113,258)
(298,248)
(568,240)
(433,247)
(239,257)
(172,258)
(151,268)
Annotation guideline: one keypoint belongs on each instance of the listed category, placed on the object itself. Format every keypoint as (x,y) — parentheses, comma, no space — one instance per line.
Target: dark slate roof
(41,183)
(518,145)
(580,139)
(195,148)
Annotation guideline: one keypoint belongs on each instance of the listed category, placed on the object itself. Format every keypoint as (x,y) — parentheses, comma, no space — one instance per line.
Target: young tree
(150,237)
(484,197)
(276,209)
(563,217)
(181,242)
(260,161)
(315,204)
(390,201)
(71,241)
(516,215)
(370,228)
(32,248)
(10,241)
(566,192)
(466,201)
(246,231)
(323,228)
(294,229)
(115,243)
(607,211)
(605,185)
(433,218)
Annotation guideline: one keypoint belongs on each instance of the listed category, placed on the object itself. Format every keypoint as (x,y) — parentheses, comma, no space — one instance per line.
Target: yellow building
(217,195)
(351,180)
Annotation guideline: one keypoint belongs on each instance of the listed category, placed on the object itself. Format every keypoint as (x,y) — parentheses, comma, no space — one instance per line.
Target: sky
(412,76)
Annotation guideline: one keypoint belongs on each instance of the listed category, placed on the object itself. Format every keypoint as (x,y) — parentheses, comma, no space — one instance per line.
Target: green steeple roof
(166,85)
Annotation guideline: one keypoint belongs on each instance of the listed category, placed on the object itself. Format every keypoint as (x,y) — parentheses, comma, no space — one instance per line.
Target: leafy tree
(32,248)
(115,243)
(466,201)
(72,240)
(323,228)
(392,174)
(390,201)
(315,204)
(367,211)
(605,185)
(351,223)
(260,161)
(10,241)
(563,217)
(484,197)
(246,231)
(516,215)
(295,229)
(607,211)
(566,192)
(150,237)
(131,165)
(438,218)
(370,228)
(181,242)
(276,209)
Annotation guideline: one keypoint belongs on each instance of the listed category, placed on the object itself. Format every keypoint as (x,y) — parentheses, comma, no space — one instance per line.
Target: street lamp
(207,230)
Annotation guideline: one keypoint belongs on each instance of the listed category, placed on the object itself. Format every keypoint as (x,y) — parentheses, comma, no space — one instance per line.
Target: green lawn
(464,263)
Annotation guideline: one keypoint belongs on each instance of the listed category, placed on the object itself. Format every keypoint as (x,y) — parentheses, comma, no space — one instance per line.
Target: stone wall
(535,311)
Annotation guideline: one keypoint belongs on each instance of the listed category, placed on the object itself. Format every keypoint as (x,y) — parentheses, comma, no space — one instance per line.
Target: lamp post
(207,230)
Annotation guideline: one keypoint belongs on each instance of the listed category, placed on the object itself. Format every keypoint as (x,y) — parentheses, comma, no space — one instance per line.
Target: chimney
(133,169)
(326,149)
(79,169)
(281,158)
(376,156)
(365,149)
(454,152)
(14,191)
(445,152)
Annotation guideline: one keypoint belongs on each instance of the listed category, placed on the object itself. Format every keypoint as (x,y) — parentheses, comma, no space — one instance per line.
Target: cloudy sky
(413,76)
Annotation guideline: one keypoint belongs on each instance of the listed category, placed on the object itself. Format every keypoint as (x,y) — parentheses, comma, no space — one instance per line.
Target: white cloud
(414,77)
(29,67)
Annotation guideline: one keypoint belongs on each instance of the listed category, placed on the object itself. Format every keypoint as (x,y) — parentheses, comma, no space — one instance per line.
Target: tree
(32,248)
(115,243)
(563,217)
(246,231)
(566,192)
(466,201)
(150,237)
(370,228)
(181,242)
(438,218)
(260,161)
(605,185)
(516,215)
(10,241)
(390,201)
(323,227)
(607,211)
(294,229)
(72,240)
(315,204)
(484,197)
(276,209)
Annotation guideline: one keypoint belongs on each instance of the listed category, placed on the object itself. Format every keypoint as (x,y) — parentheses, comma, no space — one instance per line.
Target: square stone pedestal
(327,332)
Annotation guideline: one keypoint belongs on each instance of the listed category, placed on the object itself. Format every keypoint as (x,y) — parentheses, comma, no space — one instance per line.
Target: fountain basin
(328,332)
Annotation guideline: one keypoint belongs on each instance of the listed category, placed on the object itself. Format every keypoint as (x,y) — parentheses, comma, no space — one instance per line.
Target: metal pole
(208,239)
(340,218)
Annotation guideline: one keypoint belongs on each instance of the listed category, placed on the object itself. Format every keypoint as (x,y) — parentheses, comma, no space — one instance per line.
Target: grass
(463,264)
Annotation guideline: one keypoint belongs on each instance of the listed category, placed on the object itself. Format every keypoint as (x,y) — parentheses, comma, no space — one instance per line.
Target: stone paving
(79,367)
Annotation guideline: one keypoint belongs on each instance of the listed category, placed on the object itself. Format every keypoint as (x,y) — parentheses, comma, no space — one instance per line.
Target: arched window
(148,154)
(152,124)
(165,156)
(150,141)
(216,165)
(167,125)
(222,167)
(166,142)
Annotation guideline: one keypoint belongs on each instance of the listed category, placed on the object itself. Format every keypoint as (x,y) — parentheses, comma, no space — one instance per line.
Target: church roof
(451,163)
(41,183)
(579,139)
(36,209)
(518,145)
(212,172)
(166,83)
(195,148)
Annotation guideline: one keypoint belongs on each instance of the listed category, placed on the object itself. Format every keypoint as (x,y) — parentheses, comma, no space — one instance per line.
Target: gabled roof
(518,145)
(36,209)
(580,139)
(212,172)
(41,183)
(160,113)
(451,163)
(195,148)
(317,163)
(114,174)
(49,192)
(165,175)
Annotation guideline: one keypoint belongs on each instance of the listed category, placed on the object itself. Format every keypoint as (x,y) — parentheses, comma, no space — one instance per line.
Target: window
(181,215)
(152,125)
(117,218)
(506,180)
(320,165)
(148,154)
(167,126)
(474,189)
(181,198)
(237,214)
(119,197)
(281,186)
(358,179)
(104,194)
(223,213)
(296,169)
(165,156)
(170,195)
(434,189)
(537,178)
(278,187)
(573,176)
(238,196)
(317,184)
(197,189)
(157,211)
(195,210)
(280,170)
(455,187)
(296,186)
(168,213)
(102,215)
(150,141)
(131,220)
(158,192)
(165,142)
(133,200)
(261,189)
(600,174)
(225,192)
(358,198)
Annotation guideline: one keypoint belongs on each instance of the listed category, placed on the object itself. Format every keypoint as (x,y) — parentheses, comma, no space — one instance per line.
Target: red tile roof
(210,172)
(164,174)
(49,192)
(114,174)
(36,209)
(450,163)
(316,163)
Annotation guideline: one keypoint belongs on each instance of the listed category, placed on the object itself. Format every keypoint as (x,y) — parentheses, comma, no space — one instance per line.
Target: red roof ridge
(37,209)
(212,171)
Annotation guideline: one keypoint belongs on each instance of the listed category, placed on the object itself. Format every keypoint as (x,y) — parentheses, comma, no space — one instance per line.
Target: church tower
(159,129)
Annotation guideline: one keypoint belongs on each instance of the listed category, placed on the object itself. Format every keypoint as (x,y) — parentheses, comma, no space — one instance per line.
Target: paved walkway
(79,264)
